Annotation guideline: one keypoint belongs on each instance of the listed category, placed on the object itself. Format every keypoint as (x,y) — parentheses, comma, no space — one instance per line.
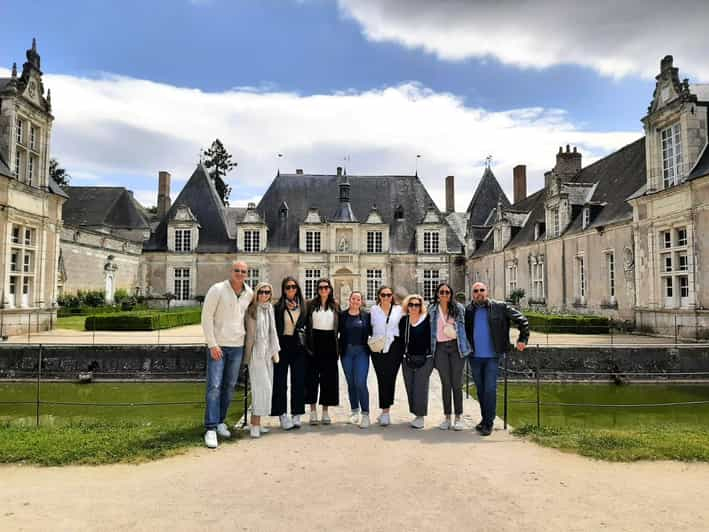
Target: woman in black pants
(386,354)
(291,315)
(321,368)
(415,337)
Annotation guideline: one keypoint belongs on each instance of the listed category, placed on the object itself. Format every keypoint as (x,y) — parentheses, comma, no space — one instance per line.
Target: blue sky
(350,51)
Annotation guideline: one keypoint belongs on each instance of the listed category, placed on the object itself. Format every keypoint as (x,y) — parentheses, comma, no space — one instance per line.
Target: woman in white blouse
(386,354)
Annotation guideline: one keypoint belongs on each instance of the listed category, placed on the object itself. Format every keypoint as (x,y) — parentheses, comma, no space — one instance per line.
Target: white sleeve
(209,308)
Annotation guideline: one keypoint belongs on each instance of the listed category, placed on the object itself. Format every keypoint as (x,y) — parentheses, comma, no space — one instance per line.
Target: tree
(58,173)
(219,162)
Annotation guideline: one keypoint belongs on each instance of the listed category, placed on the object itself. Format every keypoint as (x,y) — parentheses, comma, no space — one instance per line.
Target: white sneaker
(296,422)
(417,422)
(264,430)
(458,425)
(445,424)
(223,431)
(364,422)
(314,417)
(325,418)
(285,422)
(255,432)
(384,420)
(354,417)
(210,439)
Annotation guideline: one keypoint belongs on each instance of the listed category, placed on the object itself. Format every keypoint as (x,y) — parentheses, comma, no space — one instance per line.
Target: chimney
(339,170)
(568,163)
(450,193)
(519,174)
(298,171)
(164,200)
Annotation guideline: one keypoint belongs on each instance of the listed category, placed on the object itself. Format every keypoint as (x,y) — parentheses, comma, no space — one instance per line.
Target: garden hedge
(143,320)
(567,323)
(85,310)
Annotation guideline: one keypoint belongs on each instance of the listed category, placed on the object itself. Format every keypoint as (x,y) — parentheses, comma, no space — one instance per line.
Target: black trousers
(291,356)
(386,366)
(321,371)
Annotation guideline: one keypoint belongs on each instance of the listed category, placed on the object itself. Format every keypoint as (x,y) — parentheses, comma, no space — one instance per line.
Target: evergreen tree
(219,162)
(58,173)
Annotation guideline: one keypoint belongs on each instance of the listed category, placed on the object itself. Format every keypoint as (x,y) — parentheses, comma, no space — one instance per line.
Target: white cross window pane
(178,240)
(668,263)
(254,278)
(28,237)
(682,237)
(20,126)
(683,262)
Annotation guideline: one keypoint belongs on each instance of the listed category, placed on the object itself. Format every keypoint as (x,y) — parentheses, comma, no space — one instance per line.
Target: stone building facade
(30,202)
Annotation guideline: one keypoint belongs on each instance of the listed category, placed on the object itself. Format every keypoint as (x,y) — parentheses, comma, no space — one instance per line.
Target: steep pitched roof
(486,196)
(201,197)
(303,191)
(5,168)
(112,207)
(701,168)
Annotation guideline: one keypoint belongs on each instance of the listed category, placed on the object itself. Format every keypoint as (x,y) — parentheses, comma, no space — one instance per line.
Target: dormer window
(312,241)
(374,242)
(431,241)
(538,230)
(671,155)
(252,241)
(399,213)
(183,240)
(586,217)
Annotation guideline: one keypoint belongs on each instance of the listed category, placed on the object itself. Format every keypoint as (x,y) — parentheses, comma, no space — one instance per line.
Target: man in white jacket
(223,315)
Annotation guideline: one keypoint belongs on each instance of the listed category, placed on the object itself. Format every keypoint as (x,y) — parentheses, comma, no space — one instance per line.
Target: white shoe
(255,432)
(223,431)
(264,430)
(384,420)
(417,422)
(364,422)
(458,425)
(296,422)
(210,439)
(314,417)
(354,417)
(445,424)
(285,422)
(325,418)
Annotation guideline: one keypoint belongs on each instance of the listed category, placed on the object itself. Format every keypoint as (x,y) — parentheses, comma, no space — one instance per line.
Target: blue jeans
(355,364)
(484,372)
(221,381)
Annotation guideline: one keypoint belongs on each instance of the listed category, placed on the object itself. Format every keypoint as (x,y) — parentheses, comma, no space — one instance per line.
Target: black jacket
(309,326)
(366,330)
(279,310)
(500,316)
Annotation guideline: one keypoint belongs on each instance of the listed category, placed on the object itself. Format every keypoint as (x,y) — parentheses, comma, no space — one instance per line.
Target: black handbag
(411,360)
(300,334)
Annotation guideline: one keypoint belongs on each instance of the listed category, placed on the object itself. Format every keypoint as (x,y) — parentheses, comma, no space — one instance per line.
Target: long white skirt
(261,377)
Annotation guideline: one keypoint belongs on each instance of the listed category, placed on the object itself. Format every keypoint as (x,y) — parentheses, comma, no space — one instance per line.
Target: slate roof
(486,196)
(302,191)
(5,168)
(110,207)
(702,167)
(201,197)
(616,177)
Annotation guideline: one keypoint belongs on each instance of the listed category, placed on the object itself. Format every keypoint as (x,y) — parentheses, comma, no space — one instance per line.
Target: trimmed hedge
(567,323)
(63,312)
(143,320)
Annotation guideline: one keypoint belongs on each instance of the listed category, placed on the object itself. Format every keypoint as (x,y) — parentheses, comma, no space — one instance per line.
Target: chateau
(622,237)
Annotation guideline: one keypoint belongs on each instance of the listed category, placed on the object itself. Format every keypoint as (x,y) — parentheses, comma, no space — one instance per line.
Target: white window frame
(30,169)
(431,279)
(538,279)
(181,284)
(22,268)
(18,164)
(183,240)
(512,271)
(310,283)
(431,242)
(581,279)
(586,217)
(19,130)
(610,271)
(313,241)
(375,241)
(675,267)
(252,241)
(253,278)
(375,279)
(671,153)
(33,137)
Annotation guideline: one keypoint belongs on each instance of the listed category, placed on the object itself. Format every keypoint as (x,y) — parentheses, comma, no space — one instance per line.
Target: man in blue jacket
(487,325)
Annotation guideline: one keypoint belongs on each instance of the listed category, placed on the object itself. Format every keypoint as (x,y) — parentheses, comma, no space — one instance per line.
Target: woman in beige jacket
(261,349)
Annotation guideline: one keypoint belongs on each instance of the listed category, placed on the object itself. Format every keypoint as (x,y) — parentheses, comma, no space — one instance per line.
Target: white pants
(261,377)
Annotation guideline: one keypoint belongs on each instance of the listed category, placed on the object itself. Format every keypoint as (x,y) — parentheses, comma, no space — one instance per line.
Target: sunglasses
(475,291)
(236,270)
(264,292)
(323,287)
(444,292)
(414,305)
(291,287)
(385,295)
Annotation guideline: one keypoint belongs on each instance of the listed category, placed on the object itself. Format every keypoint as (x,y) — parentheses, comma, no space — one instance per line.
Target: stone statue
(343,246)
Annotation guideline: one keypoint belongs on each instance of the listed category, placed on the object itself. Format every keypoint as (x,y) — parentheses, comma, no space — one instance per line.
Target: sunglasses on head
(291,287)
(414,305)
(444,292)
(264,292)
(384,294)
(237,270)
(476,290)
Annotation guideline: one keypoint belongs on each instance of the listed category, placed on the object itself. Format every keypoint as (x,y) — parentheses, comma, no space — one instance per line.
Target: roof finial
(488,162)
(14,70)
(34,44)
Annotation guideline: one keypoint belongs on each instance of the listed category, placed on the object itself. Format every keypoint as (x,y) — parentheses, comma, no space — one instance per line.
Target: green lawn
(75,323)
(102,434)
(615,433)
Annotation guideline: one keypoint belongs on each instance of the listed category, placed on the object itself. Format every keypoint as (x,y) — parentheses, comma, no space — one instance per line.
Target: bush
(120,295)
(144,320)
(568,323)
(68,301)
(88,311)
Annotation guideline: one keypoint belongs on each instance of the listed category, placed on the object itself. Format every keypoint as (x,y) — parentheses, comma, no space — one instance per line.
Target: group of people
(308,338)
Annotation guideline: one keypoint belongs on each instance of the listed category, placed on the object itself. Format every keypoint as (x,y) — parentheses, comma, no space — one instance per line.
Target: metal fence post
(246,398)
(29,327)
(39,378)
(505,394)
(675,320)
(539,405)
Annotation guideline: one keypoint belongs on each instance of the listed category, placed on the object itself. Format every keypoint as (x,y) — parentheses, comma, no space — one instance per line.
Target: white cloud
(117,126)
(615,38)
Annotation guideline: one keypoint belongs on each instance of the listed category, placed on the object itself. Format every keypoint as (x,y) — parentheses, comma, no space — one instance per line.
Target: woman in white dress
(261,349)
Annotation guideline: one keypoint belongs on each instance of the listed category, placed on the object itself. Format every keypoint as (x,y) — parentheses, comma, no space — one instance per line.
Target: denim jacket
(464,348)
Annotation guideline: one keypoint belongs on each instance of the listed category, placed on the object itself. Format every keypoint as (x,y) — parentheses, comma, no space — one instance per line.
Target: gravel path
(344,478)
